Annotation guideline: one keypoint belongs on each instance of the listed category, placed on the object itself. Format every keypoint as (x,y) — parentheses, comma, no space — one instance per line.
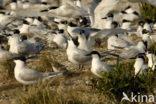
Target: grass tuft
(147,11)
(124,80)
(7,69)
(44,94)
(44,63)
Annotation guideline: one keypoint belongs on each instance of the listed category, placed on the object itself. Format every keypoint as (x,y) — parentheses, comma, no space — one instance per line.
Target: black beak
(104,18)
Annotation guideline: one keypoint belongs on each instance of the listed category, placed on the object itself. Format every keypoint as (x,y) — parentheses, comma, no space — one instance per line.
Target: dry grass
(45,94)
(7,70)
(152,47)
(43,63)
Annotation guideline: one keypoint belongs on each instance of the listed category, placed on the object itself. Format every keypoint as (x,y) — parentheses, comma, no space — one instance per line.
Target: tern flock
(74,27)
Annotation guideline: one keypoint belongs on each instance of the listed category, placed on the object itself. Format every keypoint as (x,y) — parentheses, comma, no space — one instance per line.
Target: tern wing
(30,75)
(107,32)
(130,53)
(92,9)
(81,57)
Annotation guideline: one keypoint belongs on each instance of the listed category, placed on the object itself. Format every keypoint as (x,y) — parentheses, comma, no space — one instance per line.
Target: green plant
(147,11)
(124,80)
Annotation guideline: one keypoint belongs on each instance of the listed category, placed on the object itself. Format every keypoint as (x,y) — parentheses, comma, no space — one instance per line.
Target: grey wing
(103,70)
(37,47)
(81,57)
(130,53)
(87,30)
(30,75)
(23,49)
(32,48)
(108,32)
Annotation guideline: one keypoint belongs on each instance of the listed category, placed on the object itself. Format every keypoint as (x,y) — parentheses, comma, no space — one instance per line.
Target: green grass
(124,80)
(147,11)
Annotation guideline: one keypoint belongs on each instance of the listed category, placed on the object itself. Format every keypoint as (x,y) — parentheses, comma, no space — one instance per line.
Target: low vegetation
(7,69)
(124,80)
(46,94)
(147,11)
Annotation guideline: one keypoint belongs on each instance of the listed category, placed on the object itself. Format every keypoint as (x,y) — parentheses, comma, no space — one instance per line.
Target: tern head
(136,13)
(16,31)
(144,31)
(115,24)
(94,54)
(116,35)
(149,21)
(123,12)
(64,22)
(1,47)
(104,18)
(61,31)
(83,21)
(24,37)
(141,23)
(39,19)
(25,22)
(26,1)
(150,53)
(2,12)
(53,7)
(128,7)
(45,10)
(72,24)
(82,32)
(141,55)
(126,21)
(72,42)
(19,60)
(44,3)
(14,1)
(110,15)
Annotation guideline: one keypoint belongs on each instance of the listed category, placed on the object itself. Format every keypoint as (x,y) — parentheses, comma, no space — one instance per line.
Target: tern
(151,59)
(23,47)
(133,51)
(28,76)
(98,68)
(139,65)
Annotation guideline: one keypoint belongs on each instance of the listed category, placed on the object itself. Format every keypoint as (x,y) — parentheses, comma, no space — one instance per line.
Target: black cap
(16,31)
